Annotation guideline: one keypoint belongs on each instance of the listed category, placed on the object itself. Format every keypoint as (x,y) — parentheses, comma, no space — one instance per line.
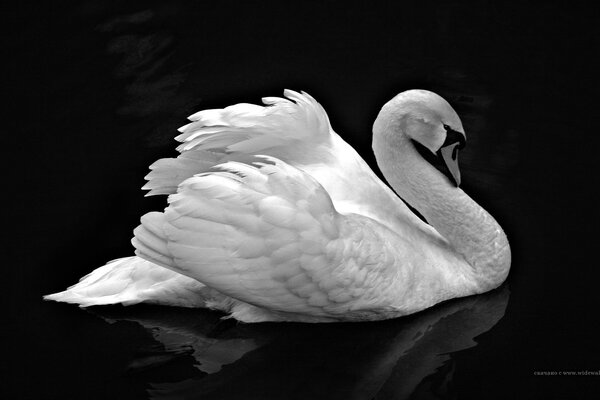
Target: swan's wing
(268,235)
(236,133)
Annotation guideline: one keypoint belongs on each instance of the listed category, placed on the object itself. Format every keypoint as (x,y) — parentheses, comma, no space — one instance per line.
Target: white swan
(273,217)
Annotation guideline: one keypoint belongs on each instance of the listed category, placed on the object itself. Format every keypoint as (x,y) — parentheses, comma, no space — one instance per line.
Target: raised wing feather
(238,132)
(269,235)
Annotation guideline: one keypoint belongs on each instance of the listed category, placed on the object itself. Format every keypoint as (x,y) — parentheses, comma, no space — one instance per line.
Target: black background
(95,90)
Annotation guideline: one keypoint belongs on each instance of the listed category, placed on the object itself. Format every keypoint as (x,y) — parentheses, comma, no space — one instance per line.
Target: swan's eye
(446,127)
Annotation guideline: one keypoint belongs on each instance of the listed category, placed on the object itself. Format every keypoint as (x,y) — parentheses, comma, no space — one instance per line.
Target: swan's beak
(449,155)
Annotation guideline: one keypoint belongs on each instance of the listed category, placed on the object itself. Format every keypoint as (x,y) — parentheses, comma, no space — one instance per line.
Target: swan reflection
(389,359)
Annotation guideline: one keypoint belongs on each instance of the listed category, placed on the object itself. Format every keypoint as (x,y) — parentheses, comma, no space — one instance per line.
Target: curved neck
(472,232)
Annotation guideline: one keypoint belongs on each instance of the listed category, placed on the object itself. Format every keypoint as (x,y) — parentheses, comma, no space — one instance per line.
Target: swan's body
(272,216)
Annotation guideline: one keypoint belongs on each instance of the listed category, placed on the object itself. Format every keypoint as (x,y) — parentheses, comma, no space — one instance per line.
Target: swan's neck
(472,232)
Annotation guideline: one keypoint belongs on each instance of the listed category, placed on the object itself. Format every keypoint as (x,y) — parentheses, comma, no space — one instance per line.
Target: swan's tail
(133,280)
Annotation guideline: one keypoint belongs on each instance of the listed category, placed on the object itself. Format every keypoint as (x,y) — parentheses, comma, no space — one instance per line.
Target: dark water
(96,92)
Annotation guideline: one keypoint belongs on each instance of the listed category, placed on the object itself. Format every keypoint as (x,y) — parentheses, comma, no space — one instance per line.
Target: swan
(272,216)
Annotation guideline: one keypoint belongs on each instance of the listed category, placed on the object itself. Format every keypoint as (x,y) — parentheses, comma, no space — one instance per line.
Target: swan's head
(432,125)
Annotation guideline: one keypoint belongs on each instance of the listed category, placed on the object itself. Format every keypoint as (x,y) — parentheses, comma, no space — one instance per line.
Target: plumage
(271,216)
